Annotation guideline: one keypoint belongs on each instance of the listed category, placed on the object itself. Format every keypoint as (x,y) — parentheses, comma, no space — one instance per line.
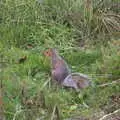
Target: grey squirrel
(62,74)
(59,68)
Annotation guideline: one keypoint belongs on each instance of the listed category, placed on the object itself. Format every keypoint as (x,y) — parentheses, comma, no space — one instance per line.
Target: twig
(53,113)
(111,83)
(109,114)
(44,85)
(20,111)
(1,84)
(2,117)
(17,112)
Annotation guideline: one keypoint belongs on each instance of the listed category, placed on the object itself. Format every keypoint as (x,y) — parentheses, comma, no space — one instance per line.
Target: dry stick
(1,84)
(20,111)
(53,113)
(16,113)
(1,106)
(1,101)
(44,85)
(107,115)
(111,83)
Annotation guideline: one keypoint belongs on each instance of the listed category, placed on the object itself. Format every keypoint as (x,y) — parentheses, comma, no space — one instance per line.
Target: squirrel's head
(49,52)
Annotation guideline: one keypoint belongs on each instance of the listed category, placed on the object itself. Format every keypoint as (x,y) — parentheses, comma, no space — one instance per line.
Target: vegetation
(87,35)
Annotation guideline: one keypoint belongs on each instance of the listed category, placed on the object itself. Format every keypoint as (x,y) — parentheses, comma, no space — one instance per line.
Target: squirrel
(62,74)
(59,68)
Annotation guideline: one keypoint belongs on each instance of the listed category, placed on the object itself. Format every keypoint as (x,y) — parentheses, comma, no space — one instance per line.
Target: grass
(27,85)
(83,37)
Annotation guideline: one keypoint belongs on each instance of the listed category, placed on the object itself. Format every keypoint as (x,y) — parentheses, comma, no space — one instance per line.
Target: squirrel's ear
(54,50)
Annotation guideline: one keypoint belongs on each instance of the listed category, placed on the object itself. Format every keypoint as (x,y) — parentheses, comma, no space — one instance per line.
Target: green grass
(29,81)
(80,35)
